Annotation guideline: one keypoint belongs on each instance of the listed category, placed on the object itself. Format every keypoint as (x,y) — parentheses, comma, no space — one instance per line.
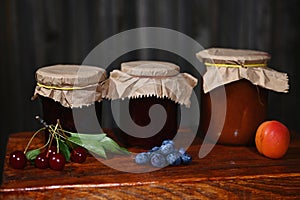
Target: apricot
(272,139)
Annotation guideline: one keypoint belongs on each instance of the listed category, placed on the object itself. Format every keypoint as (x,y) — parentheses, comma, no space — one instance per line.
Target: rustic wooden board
(227,172)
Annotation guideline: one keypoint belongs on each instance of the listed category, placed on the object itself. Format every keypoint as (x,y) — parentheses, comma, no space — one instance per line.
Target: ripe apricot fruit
(272,139)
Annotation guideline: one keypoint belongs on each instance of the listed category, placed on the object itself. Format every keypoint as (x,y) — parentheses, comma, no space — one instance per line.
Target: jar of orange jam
(239,81)
(246,108)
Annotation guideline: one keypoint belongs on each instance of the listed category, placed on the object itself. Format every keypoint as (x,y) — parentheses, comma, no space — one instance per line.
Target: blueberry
(158,160)
(174,158)
(186,158)
(154,149)
(181,151)
(167,142)
(142,158)
(167,148)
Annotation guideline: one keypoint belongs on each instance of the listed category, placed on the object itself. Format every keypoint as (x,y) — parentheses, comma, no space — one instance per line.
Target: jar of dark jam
(245,78)
(139,112)
(53,110)
(72,95)
(140,86)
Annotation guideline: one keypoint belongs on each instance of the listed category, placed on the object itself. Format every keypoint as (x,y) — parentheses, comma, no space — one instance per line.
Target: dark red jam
(139,112)
(52,111)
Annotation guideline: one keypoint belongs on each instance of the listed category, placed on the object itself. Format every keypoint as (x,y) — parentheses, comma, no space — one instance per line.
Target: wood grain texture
(226,173)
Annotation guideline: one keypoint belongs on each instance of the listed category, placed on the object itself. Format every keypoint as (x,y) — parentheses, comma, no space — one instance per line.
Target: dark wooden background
(36,33)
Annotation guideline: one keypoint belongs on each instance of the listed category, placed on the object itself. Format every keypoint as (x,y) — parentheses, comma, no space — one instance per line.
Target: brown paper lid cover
(224,66)
(70,75)
(140,79)
(233,56)
(70,85)
(150,68)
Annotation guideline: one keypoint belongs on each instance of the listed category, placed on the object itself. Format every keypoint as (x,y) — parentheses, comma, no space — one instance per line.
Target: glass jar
(246,79)
(144,85)
(246,109)
(67,93)
(139,112)
(53,110)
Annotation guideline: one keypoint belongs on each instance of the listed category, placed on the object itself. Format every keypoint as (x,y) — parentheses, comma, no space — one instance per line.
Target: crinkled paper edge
(177,88)
(261,76)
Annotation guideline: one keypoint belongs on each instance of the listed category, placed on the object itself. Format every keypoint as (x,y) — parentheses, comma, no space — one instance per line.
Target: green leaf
(32,154)
(63,147)
(75,140)
(96,143)
(98,151)
(91,145)
(112,146)
(84,136)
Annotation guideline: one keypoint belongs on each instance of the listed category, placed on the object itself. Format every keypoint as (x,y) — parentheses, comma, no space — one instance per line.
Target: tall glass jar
(245,78)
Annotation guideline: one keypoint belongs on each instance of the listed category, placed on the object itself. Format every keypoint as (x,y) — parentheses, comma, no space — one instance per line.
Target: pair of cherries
(50,158)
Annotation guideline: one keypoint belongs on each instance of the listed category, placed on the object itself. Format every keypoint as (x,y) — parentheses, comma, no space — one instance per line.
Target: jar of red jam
(71,94)
(239,81)
(149,93)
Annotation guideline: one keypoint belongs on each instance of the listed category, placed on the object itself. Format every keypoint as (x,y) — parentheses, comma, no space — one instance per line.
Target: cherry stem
(61,129)
(51,139)
(45,144)
(54,134)
(28,144)
(63,135)
(55,131)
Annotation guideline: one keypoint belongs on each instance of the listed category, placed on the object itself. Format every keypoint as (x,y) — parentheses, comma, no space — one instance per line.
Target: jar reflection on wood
(245,77)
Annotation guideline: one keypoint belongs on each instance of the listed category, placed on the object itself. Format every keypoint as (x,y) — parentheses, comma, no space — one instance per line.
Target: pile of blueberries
(164,155)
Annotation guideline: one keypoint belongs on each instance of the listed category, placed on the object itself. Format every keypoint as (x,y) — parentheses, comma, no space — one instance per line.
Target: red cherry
(52,150)
(17,160)
(78,155)
(42,161)
(57,161)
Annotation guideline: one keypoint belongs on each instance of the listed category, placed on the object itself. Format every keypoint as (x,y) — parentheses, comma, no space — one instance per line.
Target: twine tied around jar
(73,86)
(224,66)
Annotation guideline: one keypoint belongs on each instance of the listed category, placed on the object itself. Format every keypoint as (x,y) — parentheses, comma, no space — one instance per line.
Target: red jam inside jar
(53,111)
(139,113)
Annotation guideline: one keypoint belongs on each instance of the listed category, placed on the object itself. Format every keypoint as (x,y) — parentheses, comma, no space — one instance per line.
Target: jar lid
(70,75)
(233,57)
(224,66)
(70,85)
(150,68)
(139,79)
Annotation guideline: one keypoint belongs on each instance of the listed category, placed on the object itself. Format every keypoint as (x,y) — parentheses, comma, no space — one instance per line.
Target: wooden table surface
(227,172)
